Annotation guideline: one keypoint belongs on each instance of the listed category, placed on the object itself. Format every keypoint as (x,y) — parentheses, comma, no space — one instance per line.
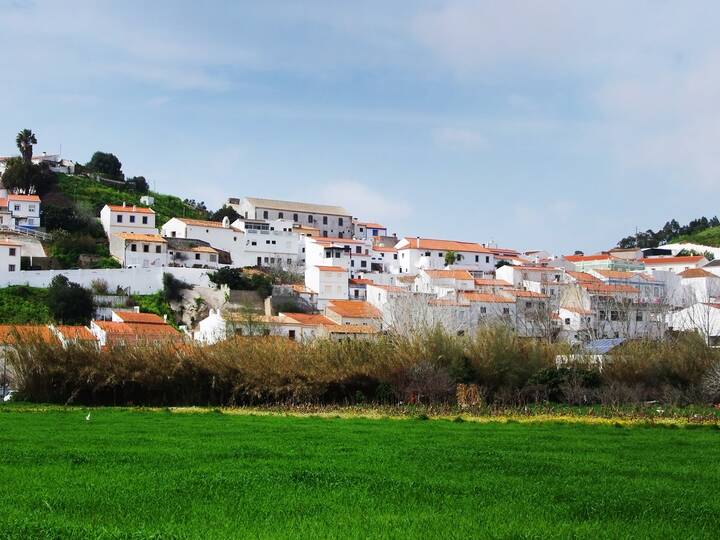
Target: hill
(91,194)
(708,237)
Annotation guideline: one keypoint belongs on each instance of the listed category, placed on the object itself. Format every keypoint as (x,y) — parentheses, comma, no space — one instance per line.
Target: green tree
(69,302)
(139,184)
(225,211)
(25,140)
(26,177)
(451,258)
(106,164)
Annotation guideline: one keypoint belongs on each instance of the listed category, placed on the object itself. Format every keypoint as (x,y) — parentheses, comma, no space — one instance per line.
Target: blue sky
(558,125)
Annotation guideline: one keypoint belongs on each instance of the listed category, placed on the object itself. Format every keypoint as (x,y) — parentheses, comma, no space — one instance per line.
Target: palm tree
(450,258)
(25,140)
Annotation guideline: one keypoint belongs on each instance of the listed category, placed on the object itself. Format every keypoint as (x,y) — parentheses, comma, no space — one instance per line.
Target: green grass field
(157,474)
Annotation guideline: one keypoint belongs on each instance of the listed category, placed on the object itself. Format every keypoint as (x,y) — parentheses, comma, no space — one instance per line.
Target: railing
(26,231)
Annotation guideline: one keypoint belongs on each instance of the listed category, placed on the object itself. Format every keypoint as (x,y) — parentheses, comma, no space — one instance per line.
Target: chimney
(134,208)
(123,204)
(417,239)
(165,318)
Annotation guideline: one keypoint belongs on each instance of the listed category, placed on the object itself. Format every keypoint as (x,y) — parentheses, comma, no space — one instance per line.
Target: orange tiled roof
(361,281)
(202,223)
(9,333)
(331,268)
(443,245)
(583,277)
(75,333)
(605,288)
(483,282)
(28,198)
(449,274)
(350,329)
(384,249)
(138,331)
(690,259)
(696,273)
(136,209)
(581,258)
(142,318)
(526,294)
(389,288)
(616,274)
(487,298)
(354,308)
(142,237)
(311,319)
(372,225)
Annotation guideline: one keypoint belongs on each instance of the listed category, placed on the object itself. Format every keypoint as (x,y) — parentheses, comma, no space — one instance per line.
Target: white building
(444,282)
(17,210)
(367,230)
(249,243)
(127,219)
(418,253)
(354,312)
(332,221)
(674,264)
(133,250)
(191,254)
(329,282)
(701,317)
(10,253)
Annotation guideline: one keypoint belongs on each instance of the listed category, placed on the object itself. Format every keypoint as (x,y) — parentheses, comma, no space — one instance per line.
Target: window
(274,242)
(295,217)
(363,264)
(12,252)
(266,259)
(356,293)
(325,234)
(528,304)
(17,207)
(146,248)
(267,242)
(614,316)
(483,310)
(602,315)
(340,221)
(440,254)
(144,220)
(567,321)
(639,316)
(158,249)
(132,219)
(281,215)
(340,235)
(213,257)
(31,208)
(265,214)
(324,220)
(133,247)
(487,259)
(358,249)
(362,230)
(289,261)
(291,334)
(119,218)
(11,267)
(477,258)
(395,256)
(506,311)
(253,243)
(310,219)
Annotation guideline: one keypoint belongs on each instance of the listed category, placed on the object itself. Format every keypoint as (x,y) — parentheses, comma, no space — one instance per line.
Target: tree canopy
(22,176)
(225,211)
(69,302)
(672,229)
(139,184)
(25,140)
(106,164)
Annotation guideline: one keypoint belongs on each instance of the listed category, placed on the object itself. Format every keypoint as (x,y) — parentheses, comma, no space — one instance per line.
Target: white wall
(138,280)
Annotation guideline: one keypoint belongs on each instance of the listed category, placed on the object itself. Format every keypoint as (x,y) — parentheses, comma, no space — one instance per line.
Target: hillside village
(304,270)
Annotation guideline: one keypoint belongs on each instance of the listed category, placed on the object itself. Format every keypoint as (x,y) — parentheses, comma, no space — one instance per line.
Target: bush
(173,287)
(238,280)
(68,302)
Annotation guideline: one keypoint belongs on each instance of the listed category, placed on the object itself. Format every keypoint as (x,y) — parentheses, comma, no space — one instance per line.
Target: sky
(556,125)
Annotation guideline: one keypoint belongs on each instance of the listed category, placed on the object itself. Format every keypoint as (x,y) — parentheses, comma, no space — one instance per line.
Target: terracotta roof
(9,244)
(616,274)
(583,277)
(580,258)
(203,249)
(10,333)
(292,206)
(605,288)
(350,329)
(135,317)
(75,333)
(202,223)
(300,289)
(384,249)
(331,268)
(690,259)
(28,198)
(335,240)
(504,252)
(140,332)
(484,282)
(372,225)
(449,274)
(696,273)
(359,281)
(442,245)
(142,237)
(311,319)
(531,268)
(354,308)
(487,298)
(135,209)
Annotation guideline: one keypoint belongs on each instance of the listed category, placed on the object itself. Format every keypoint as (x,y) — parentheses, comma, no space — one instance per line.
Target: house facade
(127,219)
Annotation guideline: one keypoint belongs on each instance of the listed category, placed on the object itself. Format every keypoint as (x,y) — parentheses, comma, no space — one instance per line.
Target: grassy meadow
(133,473)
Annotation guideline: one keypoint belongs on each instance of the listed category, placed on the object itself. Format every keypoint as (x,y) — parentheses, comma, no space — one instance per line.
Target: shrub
(173,287)
(68,302)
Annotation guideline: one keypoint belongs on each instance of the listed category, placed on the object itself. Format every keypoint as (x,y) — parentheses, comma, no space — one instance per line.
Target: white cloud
(365,202)
(460,138)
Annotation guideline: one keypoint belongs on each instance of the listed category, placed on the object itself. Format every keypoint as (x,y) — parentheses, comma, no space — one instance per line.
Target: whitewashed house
(329,282)
(127,219)
(332,221)
(10,254)
(418,253)
(443,282)
(674,264)
(368,230)
(133,250)
(700,317)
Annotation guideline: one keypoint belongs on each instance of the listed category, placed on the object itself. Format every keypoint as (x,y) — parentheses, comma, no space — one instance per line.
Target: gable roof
(135,317)
(202,223)
(485,282)
(311,319)
(308,208)
(135,209)
(10,333)
(331,268)
(689,259)
(449,274)
(142,237)
(354,308)
(487,298)
(581,258)
(19,197)
(692,273)
(583,277)
(441,245)
(75,333)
